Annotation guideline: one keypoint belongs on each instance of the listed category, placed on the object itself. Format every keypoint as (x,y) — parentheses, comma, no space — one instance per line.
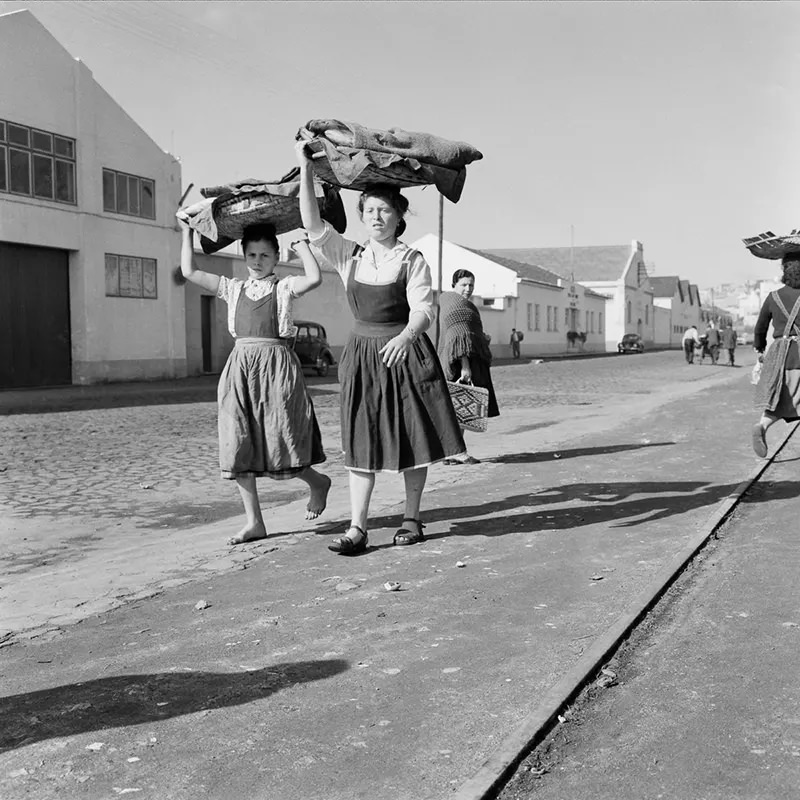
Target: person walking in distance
(690,341)
(516,338)
(713,341)
(728,341)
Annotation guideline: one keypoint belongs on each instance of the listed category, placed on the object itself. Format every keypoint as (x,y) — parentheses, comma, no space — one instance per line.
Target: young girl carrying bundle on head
(267,425)
(396,411)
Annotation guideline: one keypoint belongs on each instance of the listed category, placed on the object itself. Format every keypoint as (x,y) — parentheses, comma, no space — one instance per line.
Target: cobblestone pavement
(121,480)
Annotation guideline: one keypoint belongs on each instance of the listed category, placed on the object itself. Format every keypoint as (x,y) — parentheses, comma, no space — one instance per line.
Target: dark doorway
(206,321)
(35,343)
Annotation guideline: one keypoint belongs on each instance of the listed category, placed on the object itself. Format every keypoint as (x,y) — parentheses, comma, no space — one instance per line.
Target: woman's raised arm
(309,210)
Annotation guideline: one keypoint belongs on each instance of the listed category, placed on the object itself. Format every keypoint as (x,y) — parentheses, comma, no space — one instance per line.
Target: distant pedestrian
(690,341)
(778,389)
(712,342)
(516,338)
(464,347)
(728,342)
(267,425)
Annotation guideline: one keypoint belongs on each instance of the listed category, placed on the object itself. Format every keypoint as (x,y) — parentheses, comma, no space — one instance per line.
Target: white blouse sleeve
(284,297)
(335,250)
(225,288)
(419,287)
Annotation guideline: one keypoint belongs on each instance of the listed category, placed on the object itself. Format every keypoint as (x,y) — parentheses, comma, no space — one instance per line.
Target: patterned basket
(471,404)
(768,245)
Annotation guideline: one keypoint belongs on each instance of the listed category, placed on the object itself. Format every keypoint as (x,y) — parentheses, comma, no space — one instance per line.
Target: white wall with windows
(79,175)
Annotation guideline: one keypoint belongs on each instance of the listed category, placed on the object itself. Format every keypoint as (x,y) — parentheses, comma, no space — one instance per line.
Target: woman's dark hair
(791,270)
(462,273)
(389,194)
(262,232)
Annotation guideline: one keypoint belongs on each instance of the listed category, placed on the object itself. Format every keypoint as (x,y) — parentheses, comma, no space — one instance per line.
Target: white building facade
(88,241)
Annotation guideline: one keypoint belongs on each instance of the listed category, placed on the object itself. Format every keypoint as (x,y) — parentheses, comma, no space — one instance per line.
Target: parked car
(631,343)
(311,346)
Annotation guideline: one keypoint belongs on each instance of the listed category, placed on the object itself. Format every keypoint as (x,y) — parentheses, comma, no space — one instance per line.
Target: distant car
(311,346)
(631,343)
(744,338)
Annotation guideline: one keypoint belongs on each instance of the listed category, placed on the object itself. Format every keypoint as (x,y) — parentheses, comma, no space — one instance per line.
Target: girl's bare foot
(318,497)
(250,533)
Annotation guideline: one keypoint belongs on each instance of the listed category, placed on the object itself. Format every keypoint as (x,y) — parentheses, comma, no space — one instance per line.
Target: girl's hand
(183,221)
(302,154)
(396,350)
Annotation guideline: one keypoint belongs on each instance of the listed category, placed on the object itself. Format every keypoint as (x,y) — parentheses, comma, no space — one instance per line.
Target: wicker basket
(471,404)
(234,213)
(768,245)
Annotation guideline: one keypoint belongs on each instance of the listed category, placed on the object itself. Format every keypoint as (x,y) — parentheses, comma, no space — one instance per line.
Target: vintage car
(631,343)
(311,346)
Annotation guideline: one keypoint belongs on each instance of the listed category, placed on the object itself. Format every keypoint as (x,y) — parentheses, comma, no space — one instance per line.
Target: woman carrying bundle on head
(463,346)
(778,389)
(267,425)
(396,412)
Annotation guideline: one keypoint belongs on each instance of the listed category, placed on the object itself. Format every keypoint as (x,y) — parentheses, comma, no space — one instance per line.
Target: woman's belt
(377,329)
(262,340)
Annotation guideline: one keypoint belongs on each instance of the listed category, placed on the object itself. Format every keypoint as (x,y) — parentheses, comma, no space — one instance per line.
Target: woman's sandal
(405,536)
(348,546)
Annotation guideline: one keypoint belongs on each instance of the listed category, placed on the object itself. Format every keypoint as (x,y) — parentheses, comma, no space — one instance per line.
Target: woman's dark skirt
(394,418)
(267,424)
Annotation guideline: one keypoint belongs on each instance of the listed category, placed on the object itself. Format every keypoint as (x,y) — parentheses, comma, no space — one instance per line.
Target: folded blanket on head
(353,156)
(768,245)
(227,210)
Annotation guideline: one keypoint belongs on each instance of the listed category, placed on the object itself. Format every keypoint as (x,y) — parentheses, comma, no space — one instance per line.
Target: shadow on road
(123,700)
(620,505)
(577,452)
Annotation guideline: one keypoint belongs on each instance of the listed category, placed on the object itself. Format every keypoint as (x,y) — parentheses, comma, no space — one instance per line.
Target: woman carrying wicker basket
(464,347)
(267,425)
(396,413)
(778,389)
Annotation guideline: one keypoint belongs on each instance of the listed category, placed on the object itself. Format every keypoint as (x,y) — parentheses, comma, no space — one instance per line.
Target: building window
(629,311)
(591,321)
(129,276)
(566,318)
(555,318)
(530,316)
(647,315)
(549,318)
(599,321)
(36,163)
(536,317)
(129,194)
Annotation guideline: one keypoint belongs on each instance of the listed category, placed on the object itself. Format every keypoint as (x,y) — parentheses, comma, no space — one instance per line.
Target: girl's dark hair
(791,270)
(462,273)
(262,232)
(391,195)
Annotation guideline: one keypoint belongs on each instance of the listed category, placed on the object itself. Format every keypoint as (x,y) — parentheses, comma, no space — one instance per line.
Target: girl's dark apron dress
(393,418)
(267,425)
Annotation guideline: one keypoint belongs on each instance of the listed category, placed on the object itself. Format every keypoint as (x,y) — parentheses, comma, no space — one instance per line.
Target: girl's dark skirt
(394,418)
(267,424)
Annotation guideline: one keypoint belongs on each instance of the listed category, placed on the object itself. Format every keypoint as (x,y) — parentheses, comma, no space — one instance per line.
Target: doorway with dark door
(206,326)
(35,336)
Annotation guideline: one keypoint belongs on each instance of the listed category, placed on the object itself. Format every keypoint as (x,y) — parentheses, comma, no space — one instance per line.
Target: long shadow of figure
(124,700)
(575,452)
(623,504)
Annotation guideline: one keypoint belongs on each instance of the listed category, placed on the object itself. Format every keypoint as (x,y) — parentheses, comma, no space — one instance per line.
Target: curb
(496,770)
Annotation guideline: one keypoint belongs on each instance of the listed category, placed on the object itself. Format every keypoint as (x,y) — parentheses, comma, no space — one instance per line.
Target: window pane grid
(131,276)
(128,194)
(27,167)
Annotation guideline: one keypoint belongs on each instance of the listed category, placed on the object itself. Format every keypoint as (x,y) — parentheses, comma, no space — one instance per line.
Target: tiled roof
(530,271)
(601,263)
(666,285)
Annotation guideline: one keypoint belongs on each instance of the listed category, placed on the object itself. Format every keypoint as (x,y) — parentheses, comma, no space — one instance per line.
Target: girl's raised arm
(313,276)
(309,210)
(207,280)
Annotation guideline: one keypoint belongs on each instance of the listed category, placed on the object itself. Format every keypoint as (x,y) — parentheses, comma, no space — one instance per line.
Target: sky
(600,122)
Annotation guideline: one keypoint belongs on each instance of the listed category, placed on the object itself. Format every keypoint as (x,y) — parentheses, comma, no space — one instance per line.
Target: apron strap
(791,317)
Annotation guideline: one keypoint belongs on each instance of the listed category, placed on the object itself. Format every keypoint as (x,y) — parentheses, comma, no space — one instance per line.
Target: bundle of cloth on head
(226,210)
(353,156)
(768,245)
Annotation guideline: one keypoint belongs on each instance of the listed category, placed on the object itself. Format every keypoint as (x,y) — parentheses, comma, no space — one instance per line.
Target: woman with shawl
(464,347)
(778,390)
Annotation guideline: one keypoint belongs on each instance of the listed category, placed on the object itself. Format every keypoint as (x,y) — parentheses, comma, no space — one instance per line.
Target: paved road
(303,673)
(707,700)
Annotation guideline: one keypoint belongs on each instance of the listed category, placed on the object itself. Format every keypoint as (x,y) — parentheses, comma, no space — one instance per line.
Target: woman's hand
(395,351)
(302,154)
(466,375)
